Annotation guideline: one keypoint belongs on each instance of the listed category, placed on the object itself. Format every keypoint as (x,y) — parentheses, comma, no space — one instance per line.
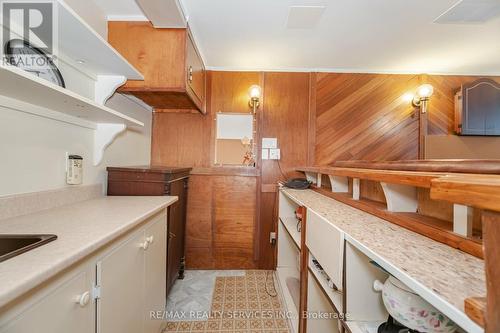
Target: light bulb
(255,92)
(408,97)
(425,91)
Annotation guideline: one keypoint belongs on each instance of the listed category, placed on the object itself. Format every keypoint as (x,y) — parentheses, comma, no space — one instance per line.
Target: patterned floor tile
(233,302)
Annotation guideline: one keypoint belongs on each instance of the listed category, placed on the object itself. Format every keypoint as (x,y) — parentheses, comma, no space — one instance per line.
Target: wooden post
(422,129)
(304,273)
(491,237)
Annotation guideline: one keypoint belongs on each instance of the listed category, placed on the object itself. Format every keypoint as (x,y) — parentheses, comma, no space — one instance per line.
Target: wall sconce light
(255,92)
(424,92)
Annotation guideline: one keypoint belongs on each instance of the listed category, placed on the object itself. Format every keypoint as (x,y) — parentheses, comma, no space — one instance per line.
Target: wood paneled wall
(317,118)
(364,116)
(285,116)
(222,204)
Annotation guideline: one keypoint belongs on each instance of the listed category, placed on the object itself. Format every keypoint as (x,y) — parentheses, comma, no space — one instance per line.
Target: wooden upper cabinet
(174,73)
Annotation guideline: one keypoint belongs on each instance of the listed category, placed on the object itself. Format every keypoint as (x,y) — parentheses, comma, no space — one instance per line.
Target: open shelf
(362,326)
(290,295)
(79,42)
(290,224)
(22,86)
(334,296)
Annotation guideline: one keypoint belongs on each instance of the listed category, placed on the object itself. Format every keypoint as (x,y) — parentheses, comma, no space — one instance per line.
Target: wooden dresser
(146,180)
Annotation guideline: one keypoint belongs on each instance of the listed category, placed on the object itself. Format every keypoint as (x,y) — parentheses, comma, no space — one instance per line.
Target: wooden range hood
(173,70)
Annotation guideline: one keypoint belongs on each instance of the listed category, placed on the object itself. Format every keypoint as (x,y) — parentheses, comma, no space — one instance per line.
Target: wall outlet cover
(274,154)
(265,154)
(269,143)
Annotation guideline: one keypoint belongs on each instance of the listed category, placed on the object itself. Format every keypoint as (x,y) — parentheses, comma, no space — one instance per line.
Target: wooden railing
(466,184)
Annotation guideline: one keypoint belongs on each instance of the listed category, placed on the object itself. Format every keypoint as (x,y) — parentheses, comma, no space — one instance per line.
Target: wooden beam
(491,237)
(413,178)
(480,191)
(475,308)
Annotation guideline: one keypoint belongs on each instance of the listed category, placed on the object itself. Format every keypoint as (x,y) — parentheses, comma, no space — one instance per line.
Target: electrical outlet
(272,237)
(269,143)
(274,154)
(265,154)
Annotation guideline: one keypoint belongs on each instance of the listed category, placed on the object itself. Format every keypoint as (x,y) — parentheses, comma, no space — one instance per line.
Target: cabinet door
(120,274)
(195,73)
(59,311)
(326,244)
(176,231)
(155,273)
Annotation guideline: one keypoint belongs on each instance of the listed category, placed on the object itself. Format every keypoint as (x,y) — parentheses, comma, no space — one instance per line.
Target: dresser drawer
(326,244)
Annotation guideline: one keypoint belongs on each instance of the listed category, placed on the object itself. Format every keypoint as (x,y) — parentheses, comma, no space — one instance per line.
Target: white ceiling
(388,36)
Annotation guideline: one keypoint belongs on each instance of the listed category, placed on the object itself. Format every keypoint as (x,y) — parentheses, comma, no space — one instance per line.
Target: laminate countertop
(81,228)
(442,275)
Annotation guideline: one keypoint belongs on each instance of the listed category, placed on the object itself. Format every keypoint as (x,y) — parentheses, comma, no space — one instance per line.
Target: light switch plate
(269,143)
(265,154)
(274,154)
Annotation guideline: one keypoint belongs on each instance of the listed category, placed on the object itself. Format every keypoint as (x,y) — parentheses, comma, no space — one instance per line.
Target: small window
(234,143)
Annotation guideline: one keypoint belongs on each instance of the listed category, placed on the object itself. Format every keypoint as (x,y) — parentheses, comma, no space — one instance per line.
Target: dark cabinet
(477,108)
(159,181)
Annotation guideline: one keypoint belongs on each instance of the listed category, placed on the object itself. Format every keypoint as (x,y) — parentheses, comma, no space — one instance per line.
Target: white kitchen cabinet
(155,274)
(132,282)
(120,276)
(65,307)
(111,291)
(326,244)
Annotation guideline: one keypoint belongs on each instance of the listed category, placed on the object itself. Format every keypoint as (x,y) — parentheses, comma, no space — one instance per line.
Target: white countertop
(81,228)
(442,275)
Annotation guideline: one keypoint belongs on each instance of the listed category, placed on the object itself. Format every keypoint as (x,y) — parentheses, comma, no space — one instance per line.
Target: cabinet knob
(190,74)
(145,245)
(83,299)
(150,239)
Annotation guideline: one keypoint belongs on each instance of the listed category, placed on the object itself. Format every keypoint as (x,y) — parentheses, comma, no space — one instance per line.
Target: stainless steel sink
(14,245)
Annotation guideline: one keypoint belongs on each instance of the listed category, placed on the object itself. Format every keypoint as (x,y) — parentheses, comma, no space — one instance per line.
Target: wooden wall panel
(285,116)
(180,139)
(220,222)
(364,116)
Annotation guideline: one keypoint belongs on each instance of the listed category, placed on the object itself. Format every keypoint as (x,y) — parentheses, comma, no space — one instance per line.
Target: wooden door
(155,273)
(58,311)
(120,274)
(176,231)
(195,73)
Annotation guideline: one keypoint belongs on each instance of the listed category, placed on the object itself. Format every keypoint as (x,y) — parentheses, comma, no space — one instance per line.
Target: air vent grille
(470,12)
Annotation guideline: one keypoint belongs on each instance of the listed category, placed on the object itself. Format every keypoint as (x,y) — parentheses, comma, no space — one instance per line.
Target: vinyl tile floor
(226,301)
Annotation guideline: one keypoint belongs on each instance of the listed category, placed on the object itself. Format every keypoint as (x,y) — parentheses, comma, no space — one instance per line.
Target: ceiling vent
(304,17)
(470,12)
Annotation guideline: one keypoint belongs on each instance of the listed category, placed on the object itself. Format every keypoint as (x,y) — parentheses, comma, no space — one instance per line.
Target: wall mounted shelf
(25,87)
(400,183)
(78,43)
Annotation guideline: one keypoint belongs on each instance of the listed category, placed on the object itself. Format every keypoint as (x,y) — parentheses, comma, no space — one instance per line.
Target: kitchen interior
(250,166)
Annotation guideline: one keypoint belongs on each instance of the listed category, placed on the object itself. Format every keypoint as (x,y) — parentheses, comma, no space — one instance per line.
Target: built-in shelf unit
(92,70)
(288,266)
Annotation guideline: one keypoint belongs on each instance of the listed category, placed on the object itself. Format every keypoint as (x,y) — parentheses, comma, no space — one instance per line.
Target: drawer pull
(190,74)
(145,245)
(84,299)
(150,239)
